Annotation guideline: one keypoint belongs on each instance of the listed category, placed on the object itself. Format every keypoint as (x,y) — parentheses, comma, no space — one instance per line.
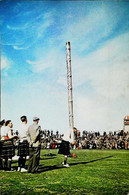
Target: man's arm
(37,138)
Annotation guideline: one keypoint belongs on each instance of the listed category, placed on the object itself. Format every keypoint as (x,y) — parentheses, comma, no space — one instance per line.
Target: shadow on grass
(47,158)
(49,168)
(16,161)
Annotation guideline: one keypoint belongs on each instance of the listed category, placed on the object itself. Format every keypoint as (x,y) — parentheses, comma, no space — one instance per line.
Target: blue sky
(33,63)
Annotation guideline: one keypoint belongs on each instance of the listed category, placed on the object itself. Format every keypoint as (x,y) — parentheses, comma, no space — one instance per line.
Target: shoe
(23,170)
(19,168)
(66,165)
(15,157)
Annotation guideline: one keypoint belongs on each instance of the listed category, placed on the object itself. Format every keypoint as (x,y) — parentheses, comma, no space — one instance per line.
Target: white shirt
(10,132)
(23,131)
(68,135)
(4,132)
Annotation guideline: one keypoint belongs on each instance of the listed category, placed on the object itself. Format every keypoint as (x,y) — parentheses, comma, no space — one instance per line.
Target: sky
(33,63)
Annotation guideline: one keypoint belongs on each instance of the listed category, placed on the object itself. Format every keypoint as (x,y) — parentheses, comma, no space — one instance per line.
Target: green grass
(104,176)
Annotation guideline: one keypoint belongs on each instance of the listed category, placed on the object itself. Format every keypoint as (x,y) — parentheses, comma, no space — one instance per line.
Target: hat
(35,118)
(2,122)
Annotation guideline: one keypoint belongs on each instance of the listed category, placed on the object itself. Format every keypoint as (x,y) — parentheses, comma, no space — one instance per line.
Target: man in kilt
(7,147)
(23,146)
(65,150)
(65,146)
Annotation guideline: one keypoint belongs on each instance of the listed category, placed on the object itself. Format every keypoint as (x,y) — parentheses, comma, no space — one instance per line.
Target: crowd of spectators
(106,141)
(88,140)
(50,140)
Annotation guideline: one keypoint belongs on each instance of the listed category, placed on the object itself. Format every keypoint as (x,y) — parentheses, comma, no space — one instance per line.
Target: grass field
(92,172)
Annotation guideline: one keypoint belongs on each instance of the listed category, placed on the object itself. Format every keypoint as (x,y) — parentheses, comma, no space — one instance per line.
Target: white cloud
(38,66)
(25,33)
(107,68)
(84,32)
(20,48)
(44,25)
(21,27)
(54,59)
(5,63)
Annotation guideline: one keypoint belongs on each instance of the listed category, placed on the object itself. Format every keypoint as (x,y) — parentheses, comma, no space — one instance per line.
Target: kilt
(7,149)
(23,148)
(64,148)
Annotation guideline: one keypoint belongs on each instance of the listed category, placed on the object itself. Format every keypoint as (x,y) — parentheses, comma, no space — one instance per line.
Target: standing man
(23,147)
(35,145)
(65,150)
(7,146)
(65,146)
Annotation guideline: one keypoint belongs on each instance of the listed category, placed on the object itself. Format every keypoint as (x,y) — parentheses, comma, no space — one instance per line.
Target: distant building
(126,124)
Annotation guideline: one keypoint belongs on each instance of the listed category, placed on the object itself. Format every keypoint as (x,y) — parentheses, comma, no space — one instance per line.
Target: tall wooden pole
(70,95)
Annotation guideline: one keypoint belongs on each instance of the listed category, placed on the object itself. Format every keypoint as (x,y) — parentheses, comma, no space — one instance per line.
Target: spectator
(35,145)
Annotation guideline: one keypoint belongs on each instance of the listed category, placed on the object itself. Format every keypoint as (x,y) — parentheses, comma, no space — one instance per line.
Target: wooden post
(70,96)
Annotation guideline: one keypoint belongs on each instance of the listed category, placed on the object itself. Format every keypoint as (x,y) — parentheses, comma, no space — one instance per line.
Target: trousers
(34,157)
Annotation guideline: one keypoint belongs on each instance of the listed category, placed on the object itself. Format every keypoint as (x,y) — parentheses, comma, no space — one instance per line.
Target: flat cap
(35,118)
